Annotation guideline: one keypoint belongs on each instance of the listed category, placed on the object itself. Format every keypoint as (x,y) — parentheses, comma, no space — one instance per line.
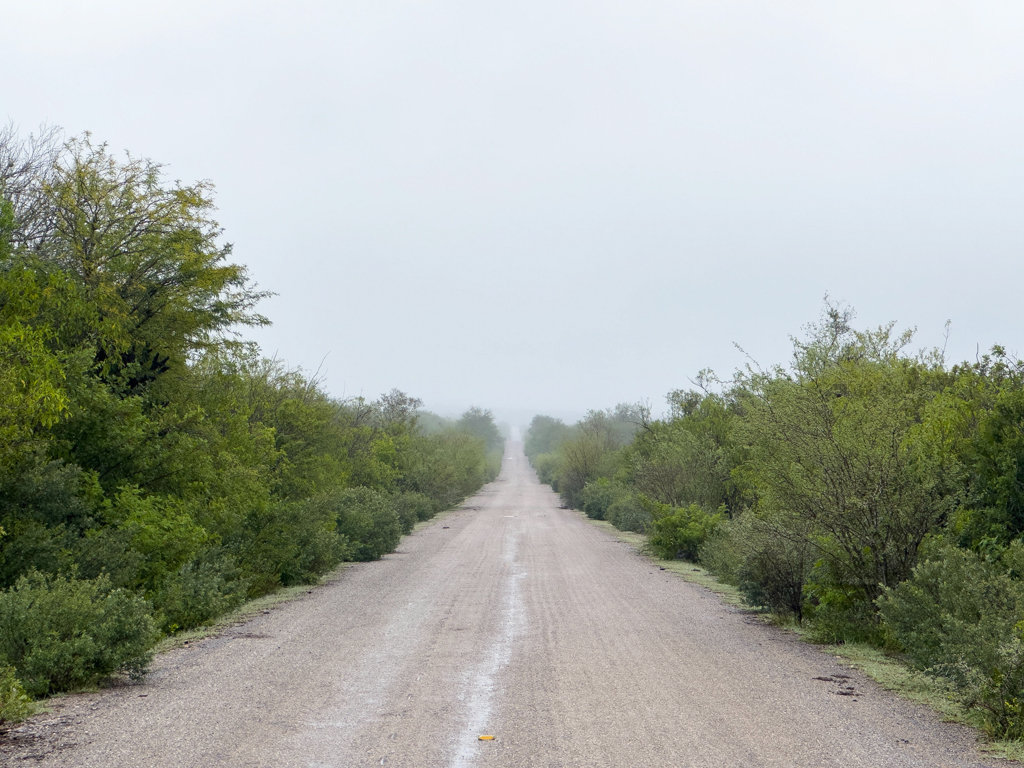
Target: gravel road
(510,617)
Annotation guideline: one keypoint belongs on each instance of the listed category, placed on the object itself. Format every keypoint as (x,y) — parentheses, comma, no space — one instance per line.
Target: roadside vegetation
(156,470)
(869,493)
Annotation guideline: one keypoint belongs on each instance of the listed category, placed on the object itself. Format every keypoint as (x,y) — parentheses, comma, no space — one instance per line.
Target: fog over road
(515,618)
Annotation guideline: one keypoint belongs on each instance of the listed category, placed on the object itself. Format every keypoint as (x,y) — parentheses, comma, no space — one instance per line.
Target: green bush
(199,592)
(839,613)
(722,553)
(289,543)
(627,514)
(421,504)
(15,704)
(959,617)
(769,570)
(598,496)
(369,521)
(493,463)
(412,508)
(548,466)
(680,532)
(62,633)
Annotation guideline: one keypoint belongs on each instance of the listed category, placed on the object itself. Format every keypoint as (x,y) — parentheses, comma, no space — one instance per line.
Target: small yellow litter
(486,738)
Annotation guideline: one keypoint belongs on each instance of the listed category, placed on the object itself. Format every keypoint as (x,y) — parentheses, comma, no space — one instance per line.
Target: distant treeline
(155,469)
(872,494)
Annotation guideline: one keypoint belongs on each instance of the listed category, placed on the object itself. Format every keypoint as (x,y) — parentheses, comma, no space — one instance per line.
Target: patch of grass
(888,671)
(893,675)
(637,540)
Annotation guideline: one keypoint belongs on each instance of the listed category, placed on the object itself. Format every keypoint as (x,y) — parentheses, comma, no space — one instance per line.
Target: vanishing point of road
(513,618)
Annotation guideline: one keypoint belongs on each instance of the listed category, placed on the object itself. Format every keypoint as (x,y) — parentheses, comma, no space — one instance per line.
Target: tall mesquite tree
(833,454)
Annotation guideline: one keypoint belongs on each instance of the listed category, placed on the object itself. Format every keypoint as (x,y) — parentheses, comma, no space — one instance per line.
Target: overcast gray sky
(560,205)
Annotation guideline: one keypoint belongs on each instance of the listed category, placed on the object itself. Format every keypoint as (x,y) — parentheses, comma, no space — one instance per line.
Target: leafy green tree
(993,458)
(480,424)
(834,460)
(593,451)
(32,395)
(148,259)
(545,434)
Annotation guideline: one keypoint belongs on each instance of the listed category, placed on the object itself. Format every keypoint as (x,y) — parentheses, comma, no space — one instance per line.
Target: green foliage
(15,704)
(544,436)
(287,543)
(147,258)
(446,467)
(412,508)
(32,395)
(773,575)
(599,495)
(548,466)
(689,459)
(834,459)
(838,612)
(368,520)
(995,460)
(680,532)
(62,633)
(959,616)
(480,424)
(568,458)
(591,452)
(627,514)
(200,591)
(158,529)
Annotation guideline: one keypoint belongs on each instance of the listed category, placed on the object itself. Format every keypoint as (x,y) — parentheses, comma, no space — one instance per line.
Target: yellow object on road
(486,738)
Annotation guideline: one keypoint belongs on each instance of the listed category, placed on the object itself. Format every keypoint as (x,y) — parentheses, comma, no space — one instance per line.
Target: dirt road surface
(513,618)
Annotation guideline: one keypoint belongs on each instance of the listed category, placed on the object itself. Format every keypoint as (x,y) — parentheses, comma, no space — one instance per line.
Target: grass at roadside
(886,670)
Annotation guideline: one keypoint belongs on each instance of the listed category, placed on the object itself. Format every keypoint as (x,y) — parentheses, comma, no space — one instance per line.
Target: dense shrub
(369,521)
(406,506)
(836,612)
(770,571)
(285,544)
(599,495)
(412,508)
(722,554)
(62,633)
(544,436)
(960,617)
(680,532)
(547,466)
(15,704)
(199,592)
(627,514)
